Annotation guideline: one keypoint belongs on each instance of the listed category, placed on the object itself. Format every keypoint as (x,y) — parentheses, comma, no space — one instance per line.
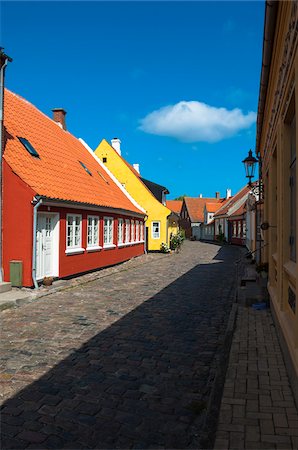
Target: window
(85,168)
(29,147)
(155,230)
(292,170)
(244,229)
(127,230)
(104,159)
(239,228)
(73,231)
(132,231)
(101,175)
(137,231)
(108,231)
(234,229)
(120,231)
(92,232)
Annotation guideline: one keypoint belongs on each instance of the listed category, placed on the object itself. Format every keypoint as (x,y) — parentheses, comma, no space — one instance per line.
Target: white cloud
(196,122)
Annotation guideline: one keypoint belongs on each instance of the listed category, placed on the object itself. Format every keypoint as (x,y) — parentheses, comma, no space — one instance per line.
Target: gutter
(271,9)
(36,206)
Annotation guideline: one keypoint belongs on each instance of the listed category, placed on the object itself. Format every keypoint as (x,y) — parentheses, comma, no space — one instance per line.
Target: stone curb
(213,407)
(75,282)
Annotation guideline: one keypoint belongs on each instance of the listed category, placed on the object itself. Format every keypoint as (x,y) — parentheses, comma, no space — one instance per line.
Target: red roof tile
(174,205)
(212,207)
(227,204)
(195,207)
(57,173)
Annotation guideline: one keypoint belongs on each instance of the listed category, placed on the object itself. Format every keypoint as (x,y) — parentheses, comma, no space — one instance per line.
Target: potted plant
(47,281)
(262,269)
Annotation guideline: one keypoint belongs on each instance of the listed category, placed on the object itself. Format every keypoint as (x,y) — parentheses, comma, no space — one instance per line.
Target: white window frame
(137,231)
(74,248)
(120,231)
(110,232)
(127,231)
(132,231)
(95,242)
(152,229)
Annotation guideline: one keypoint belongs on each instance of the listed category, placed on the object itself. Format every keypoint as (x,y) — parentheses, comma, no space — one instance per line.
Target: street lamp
(250,166)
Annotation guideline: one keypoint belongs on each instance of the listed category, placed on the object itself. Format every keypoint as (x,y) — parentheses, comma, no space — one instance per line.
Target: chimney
(116,143)
(136,167)
(229,193)
(217,195)
(59,116)
(201,196)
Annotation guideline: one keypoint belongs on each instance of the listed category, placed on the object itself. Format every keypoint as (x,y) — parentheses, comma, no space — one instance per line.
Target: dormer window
(29,147)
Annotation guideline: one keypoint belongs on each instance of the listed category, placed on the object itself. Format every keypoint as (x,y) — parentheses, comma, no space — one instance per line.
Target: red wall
(18,229)
(17,223)
(83,262)
(237,240)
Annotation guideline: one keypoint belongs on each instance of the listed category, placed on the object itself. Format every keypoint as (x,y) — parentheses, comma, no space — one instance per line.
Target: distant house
(208,228)
(149,195)
(64,213)
(237,226)
(192,214)
(230,215)
(175,206)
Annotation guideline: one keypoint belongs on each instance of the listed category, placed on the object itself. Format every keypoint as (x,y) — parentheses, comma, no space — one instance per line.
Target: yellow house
(159,216)
(277,142)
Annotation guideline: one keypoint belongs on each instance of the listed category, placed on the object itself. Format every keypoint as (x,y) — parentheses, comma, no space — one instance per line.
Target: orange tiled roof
(174,205)
(227,204)
(57,174)
(240,211)
(195,207)
(212,207)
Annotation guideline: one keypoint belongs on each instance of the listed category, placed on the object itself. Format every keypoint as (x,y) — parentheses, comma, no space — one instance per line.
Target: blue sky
(177,82)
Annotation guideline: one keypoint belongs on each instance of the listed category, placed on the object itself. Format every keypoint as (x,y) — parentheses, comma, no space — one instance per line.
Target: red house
(63,212)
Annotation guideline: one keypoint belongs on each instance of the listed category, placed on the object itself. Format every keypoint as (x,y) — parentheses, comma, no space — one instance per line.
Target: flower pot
(47,281)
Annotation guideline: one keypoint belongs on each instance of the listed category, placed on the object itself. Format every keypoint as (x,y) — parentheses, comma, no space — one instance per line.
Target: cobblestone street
(125,361)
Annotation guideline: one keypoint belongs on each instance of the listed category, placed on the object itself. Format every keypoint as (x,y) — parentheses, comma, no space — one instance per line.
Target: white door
(45,245)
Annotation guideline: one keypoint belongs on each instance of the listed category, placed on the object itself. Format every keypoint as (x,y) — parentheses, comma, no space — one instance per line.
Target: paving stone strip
(257,409)
(124,361)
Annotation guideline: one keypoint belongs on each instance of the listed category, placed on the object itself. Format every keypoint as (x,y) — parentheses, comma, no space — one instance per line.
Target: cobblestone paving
(125,361)
(257,409)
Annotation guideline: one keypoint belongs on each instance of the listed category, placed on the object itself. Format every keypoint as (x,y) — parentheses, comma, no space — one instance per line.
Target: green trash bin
(16,273)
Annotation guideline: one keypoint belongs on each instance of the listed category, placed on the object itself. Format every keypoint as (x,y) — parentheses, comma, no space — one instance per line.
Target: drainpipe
(4,59)
(36,206)
(145,237)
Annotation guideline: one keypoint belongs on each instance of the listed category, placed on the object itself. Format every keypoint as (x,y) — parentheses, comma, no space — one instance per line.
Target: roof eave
(269,31)
(100,208)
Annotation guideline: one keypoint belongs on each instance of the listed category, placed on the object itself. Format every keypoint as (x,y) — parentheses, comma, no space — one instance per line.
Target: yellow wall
(141,194)
(281,106)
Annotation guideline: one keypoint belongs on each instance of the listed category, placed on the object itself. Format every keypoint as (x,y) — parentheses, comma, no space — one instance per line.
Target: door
(45,245)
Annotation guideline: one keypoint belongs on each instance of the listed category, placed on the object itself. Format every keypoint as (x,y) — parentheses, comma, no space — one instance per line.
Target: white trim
(107,246)
(129,244)
(94,248)
(55,242)
(96,245)
(74,250)
(152,235)
(111,241)
(112,176)
(74,247)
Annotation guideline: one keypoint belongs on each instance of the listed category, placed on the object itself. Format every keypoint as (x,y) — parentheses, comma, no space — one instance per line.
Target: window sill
(290,269)
(127,244)
(108,246)
(74,251)
(95,248)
